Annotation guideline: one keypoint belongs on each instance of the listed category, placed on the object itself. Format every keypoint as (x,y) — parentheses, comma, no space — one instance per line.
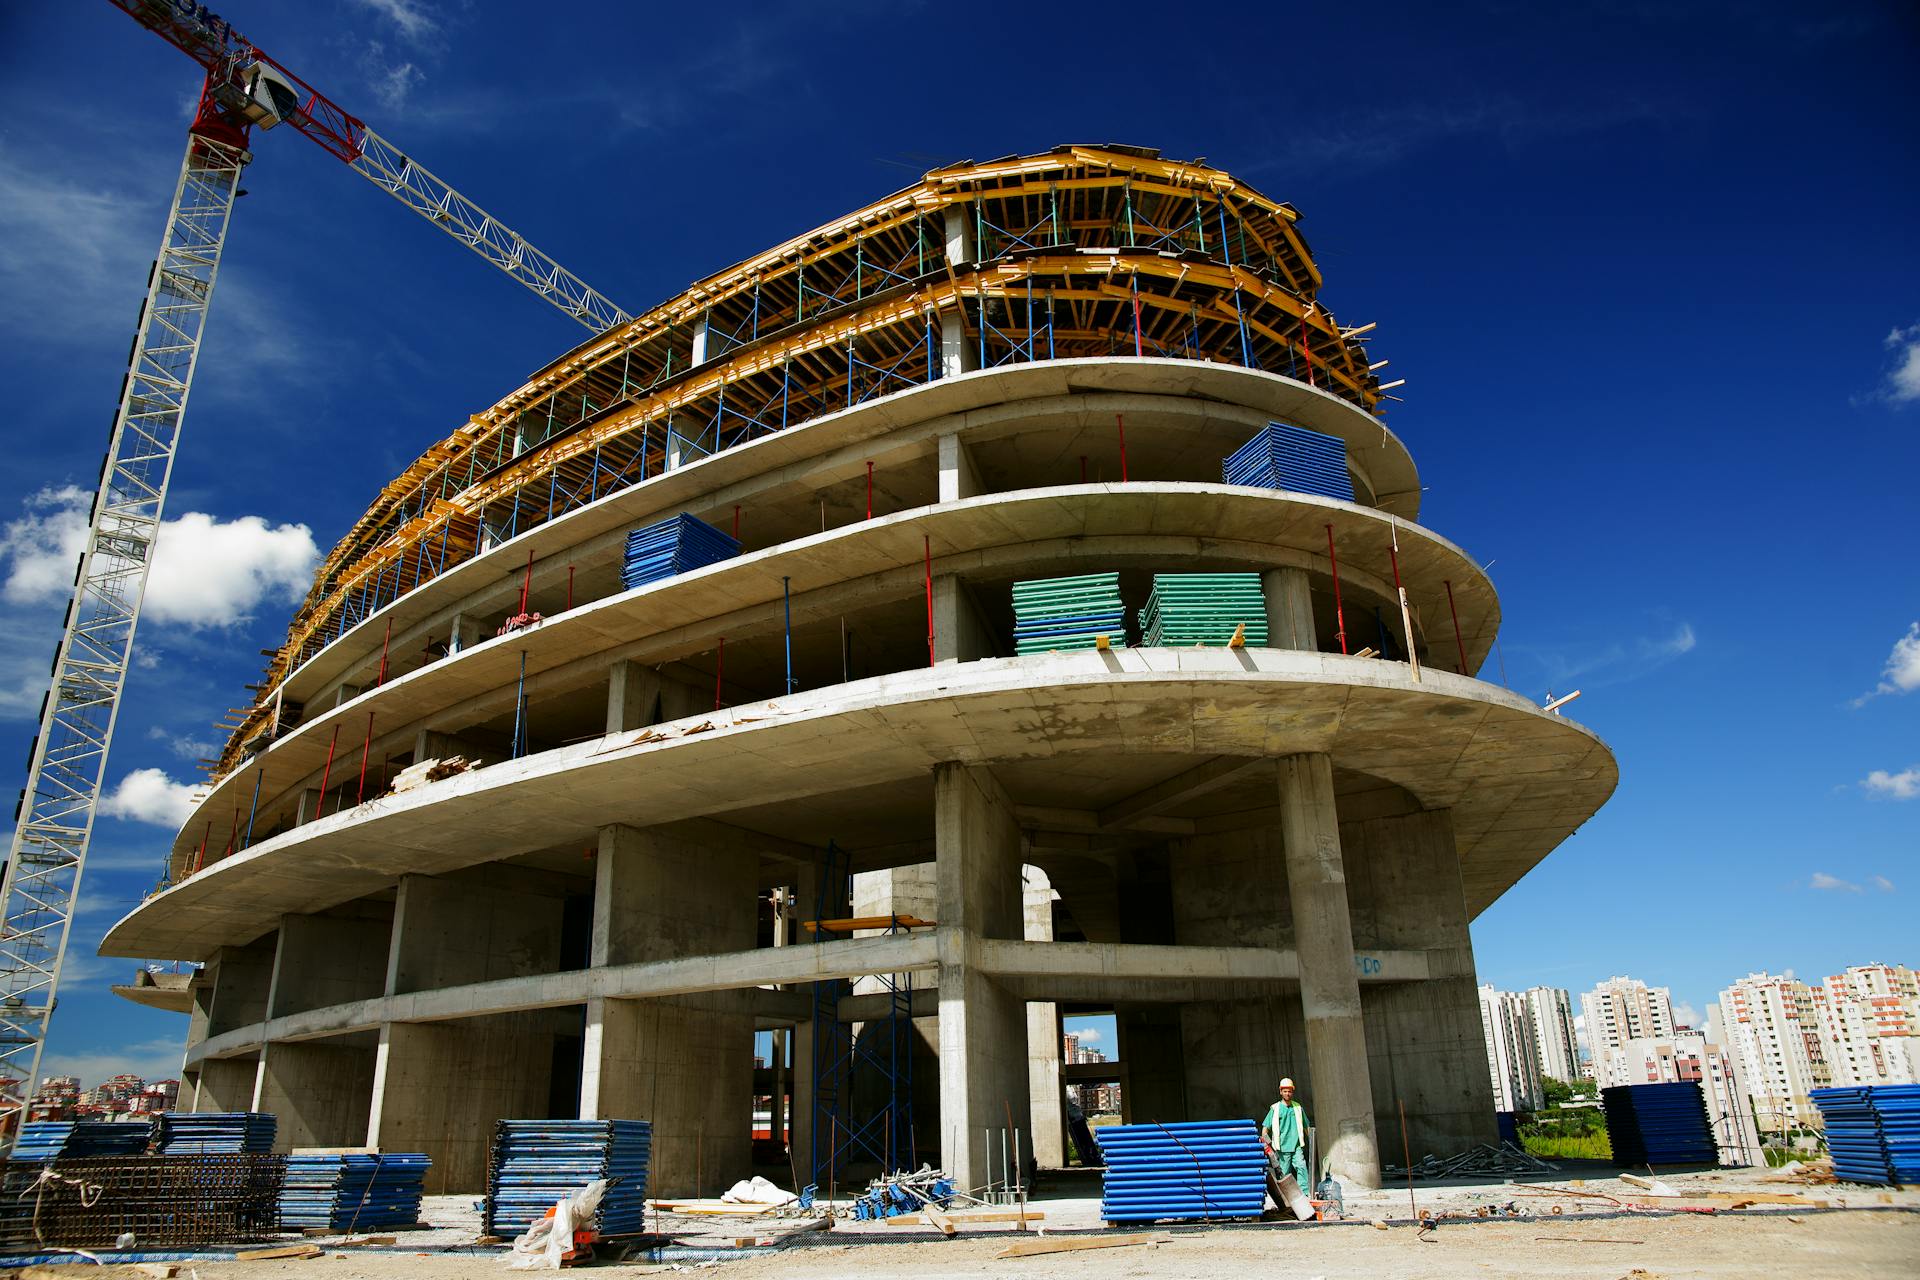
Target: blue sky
(1651,274)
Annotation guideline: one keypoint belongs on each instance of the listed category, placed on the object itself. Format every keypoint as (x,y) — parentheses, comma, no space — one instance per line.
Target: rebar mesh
(162,1201)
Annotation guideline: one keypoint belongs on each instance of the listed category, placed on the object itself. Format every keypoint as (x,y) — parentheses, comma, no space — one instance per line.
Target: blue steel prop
(1203,1170)
(1873,1132)
(1294,458)
(537,1163)
(1659,1124)
(206,1133)
(45,1140)
(673,546)
(352,1192)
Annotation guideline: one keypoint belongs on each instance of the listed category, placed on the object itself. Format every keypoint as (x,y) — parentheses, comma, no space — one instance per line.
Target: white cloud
(391,82)
(101,236)
(1681,641)
(150,1059)
(185,748)
(413,17)
(1686,1015)
(1090,1035)
(207,572)
(1902,672)
(1904,785)
(1821,880)
(149,795)
(1881,883)
(1903,379)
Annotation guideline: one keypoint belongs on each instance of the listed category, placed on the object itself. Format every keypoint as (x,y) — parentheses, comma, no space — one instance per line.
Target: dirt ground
(1575,1222)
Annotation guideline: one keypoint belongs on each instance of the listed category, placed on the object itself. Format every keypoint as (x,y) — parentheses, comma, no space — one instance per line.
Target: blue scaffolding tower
(880,1055)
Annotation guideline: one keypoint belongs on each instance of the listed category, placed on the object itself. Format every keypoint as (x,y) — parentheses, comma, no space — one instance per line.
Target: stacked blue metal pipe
(1659,1124)
(1288,457)
(215,1133)
(673,546)
(1873,1132)
(352,1192)
(78,1139)
(537,1163)
(1206,1169)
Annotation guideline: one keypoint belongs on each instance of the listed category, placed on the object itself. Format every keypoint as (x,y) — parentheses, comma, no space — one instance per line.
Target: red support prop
(869,489)
(1339,614)
(200,858)
(1306,352)
(233,836)
(928,543)
(366,749)
(1121,419)
(719,668)
(327,772)
(384,644)
(1456,627)
(526,586)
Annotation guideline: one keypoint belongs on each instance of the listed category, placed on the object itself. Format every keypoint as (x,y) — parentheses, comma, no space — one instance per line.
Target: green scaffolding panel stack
(1068,613)
(1204,608)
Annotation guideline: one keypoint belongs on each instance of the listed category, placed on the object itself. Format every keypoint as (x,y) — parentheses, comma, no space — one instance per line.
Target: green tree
(1557,1091)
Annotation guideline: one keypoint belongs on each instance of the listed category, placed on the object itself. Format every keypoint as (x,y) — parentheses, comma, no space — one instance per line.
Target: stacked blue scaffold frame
(352,1192)
(1068,613)
(673,546)
(537,1163)
(1205,1169)
(1873,1132)
(215,1133)
(1287,457)
(80,1139)
(1659,1124)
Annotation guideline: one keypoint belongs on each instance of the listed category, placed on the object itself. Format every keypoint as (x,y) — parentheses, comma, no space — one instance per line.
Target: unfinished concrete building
(689,799)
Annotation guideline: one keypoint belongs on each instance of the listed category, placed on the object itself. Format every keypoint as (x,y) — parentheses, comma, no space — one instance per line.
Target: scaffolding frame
(841,1128)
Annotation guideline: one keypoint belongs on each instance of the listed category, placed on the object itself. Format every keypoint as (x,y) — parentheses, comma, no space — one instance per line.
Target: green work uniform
(1286,1127)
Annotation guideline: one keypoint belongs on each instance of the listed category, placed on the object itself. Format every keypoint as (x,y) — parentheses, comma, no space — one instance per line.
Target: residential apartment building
(1772,1020)
(1697,1056)
(1556,1047)
(1511,1052)
(1868,1018)
(1618,1010)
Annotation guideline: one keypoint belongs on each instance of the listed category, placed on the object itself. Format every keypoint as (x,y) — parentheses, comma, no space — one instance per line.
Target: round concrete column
(1341,1087)
(1289,609)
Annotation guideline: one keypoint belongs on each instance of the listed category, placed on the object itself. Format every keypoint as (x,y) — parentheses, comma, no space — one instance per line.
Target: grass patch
(1578,1146)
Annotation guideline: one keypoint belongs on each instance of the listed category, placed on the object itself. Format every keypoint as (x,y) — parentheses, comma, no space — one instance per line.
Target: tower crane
(244,89)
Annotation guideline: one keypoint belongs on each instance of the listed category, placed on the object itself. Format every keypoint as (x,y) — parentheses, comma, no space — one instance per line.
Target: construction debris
(1485,1159)
(419,775)
(1029,1248)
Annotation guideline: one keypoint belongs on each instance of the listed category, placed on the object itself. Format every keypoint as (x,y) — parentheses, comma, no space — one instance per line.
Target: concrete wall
(227,1084)
(1424,1040)
(321,1093)
(687,1064)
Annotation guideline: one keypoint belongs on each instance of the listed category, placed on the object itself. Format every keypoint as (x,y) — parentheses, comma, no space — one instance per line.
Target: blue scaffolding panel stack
(538,1163)
(215,1133)
(673,546)
(1285,457)
(1204,608)
(1068,613)
(1207,1169)
(352,1192)
(81,1139)
(1659,1124)
(1873,1132)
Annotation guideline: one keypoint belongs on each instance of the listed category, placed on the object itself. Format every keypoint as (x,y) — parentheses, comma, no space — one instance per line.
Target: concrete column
(227,1084)
(1339,1087)
(805,897)
(663,893)
(1425,1039)
(464,634)
(983,1059)
(242,978)
(959,478)
(1045,1096)
(960,246)
(959,635)
(321,1092)
(1289,609)
(957,355)
(306,808)
(438,1087)
(700,333)
(633,697)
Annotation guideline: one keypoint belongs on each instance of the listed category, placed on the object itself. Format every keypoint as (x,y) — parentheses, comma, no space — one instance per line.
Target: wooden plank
(1029,1248)
(940,1220)
(287,1251)
(848,925)
(967,1217)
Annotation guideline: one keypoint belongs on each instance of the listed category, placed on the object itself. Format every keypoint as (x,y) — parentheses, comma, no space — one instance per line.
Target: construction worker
(1285,1133)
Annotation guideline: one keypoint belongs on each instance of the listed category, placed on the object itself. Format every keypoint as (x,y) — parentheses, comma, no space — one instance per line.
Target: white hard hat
(1287,1083)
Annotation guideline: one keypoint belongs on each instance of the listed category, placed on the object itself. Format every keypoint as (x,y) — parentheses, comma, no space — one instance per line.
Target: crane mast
(244,88)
